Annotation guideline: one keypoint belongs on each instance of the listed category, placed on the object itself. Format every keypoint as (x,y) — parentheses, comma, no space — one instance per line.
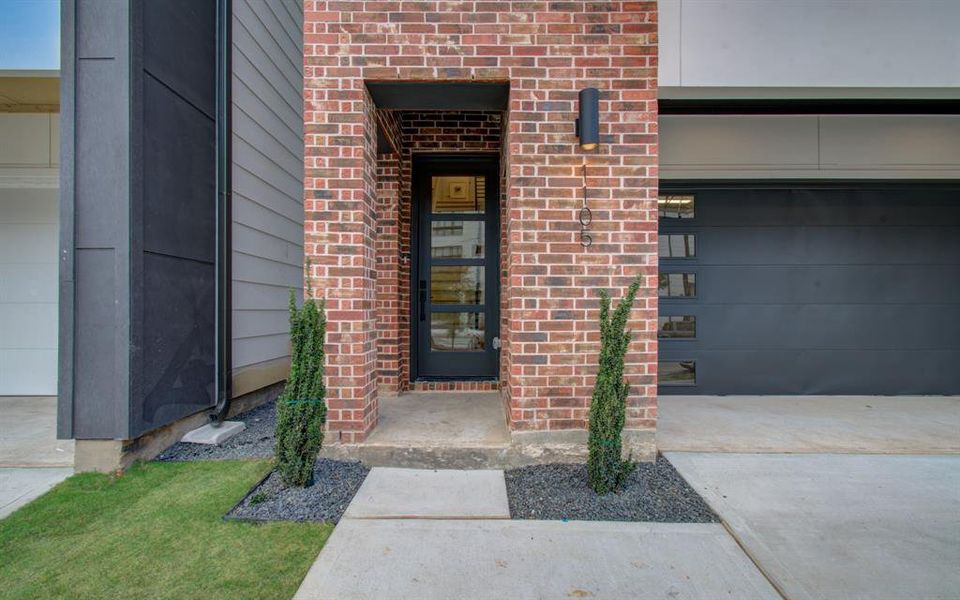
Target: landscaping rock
(335,482)
(256,441)
(654,492)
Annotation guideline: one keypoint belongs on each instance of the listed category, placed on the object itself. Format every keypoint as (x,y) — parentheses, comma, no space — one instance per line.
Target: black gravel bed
(256,441)
(654,492)
(335,482)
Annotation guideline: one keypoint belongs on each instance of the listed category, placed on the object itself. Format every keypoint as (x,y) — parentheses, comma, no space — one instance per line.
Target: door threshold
(455,385)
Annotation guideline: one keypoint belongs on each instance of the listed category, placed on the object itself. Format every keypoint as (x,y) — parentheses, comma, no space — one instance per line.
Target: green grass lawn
(156,532)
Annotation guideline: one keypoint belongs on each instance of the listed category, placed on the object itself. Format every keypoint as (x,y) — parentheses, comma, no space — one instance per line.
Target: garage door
(810,291)
(28,292)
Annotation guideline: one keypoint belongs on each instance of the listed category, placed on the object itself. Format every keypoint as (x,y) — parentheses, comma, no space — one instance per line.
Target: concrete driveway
(28,433)
(839,424)
(32,459)
(830,526)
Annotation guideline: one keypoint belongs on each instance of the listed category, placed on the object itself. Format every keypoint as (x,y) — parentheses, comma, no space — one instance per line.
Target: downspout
(222,362)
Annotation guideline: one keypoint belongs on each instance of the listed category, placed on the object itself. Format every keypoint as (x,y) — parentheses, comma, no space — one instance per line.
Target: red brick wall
(391,297)
(392,272)
(451,131)
(546,51)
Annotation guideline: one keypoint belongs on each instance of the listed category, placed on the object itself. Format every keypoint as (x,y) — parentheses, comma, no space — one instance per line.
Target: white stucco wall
(809,146)
(809,44)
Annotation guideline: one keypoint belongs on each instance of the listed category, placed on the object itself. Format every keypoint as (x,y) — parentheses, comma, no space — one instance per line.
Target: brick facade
(357,203)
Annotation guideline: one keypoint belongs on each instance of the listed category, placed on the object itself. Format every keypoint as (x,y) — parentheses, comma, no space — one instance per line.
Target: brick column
(339,231)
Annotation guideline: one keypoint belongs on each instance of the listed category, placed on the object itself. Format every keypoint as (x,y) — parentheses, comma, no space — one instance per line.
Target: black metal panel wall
(820,291)
(139,222)
(178,228)
(95,203)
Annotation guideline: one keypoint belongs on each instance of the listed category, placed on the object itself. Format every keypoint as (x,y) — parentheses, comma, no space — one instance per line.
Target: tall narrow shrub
(301,408)
(605,464)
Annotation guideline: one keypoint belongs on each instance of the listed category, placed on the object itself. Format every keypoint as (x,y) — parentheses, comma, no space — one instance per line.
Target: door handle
(423,299)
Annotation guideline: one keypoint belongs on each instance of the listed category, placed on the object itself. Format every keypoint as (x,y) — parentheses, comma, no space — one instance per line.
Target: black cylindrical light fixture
(588,125)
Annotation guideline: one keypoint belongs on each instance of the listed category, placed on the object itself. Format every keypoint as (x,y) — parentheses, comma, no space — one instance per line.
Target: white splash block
(214,436)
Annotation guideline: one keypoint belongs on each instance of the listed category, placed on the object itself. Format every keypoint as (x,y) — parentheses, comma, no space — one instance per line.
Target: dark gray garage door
(810,290)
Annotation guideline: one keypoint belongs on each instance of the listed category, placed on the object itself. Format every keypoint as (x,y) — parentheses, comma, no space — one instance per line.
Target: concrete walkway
(389,493)
(840,526)
(480,553)
(816,424)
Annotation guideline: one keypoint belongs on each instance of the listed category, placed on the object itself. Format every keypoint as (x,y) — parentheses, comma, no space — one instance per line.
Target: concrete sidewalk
(473,550)
(840,526)
(20,486)
(422,559)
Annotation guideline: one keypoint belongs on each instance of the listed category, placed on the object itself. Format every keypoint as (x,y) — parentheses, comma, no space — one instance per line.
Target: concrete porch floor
(810,424)
(431,430)
(442,418)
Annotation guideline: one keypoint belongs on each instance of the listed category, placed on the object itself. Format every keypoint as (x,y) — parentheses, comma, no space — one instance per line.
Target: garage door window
(676,206)
(678,372)
(678,245)
(677,285)
(677,327)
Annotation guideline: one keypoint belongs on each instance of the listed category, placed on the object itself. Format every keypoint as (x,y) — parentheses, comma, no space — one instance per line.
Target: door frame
(424,165)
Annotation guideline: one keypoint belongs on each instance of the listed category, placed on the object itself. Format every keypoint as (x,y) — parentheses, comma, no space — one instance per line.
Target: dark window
(678,245)
(466,236)
(446,251)
(677,372)
(458,194)
(676,207)
(457,332)
(456,285)
(677,327)
(677,285)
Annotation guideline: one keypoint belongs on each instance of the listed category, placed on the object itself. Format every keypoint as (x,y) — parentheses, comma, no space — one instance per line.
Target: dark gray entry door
(456,291)
(810,290)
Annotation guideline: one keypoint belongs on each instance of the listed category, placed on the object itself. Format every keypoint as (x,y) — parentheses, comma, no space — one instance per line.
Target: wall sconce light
(588,124)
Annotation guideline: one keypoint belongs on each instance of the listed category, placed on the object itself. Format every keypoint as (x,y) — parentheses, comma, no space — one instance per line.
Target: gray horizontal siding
(267,176)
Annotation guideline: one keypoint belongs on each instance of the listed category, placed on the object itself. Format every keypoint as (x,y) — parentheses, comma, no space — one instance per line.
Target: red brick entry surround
(357,203)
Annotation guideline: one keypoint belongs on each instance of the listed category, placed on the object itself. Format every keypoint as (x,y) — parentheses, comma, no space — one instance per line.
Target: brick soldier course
(357,203)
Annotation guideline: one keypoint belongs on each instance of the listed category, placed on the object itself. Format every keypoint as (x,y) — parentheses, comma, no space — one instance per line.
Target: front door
(456,277)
